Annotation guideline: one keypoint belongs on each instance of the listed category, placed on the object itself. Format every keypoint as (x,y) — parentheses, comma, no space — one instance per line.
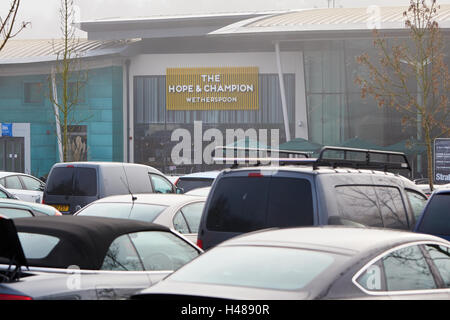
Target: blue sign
(7,129)
(442,160)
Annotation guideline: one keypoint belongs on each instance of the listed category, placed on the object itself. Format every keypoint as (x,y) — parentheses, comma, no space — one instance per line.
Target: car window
(85,182)
(30,183)
(72,181)
(161,185)
(122,256)
(359,204)
(249,266)
(180,224)
(392,208)
(188,184)
(193,213)
(440,256)
(137,211)
(400,270)
(13,182)
(2,182)
(161,250)
(417,202)
(37,246)
(15,213)
(436,218)
(3,195)
(244,204)
(407,269)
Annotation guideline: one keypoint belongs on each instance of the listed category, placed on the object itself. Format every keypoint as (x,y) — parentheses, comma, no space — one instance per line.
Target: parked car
(330,262)
(176,211)
(199,192)
(332,189)
(435,218)
(13,208)
(23,186)
(196,180)
(5,194)
(71,186)
(86,257)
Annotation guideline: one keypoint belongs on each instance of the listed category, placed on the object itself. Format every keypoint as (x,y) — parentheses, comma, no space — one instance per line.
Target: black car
(330,262)
(86,257)
(340,187)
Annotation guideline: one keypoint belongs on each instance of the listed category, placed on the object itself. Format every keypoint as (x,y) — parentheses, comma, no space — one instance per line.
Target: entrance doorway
(12,154)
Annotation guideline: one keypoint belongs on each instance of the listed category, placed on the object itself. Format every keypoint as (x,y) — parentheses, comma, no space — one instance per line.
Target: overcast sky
(44,17)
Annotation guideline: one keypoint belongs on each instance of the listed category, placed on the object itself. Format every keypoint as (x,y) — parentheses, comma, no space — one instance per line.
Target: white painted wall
(156,64)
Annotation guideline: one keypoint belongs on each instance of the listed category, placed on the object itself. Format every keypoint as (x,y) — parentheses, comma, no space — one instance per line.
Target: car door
(33,187)
(161,184)
(403,273)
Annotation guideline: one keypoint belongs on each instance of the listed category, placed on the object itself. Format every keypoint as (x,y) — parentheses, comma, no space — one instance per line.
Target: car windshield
(137,211)
(436,219)
(249,266)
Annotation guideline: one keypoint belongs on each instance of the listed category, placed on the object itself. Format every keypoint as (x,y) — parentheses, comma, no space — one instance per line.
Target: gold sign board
(224,88)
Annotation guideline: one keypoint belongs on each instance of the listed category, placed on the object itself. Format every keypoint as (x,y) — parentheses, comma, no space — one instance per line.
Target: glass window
(2,182)
(161,250)
(417,202)
(287,269)
(37,246)
(359,204)
(15,213)
(436,219)
(188,184)
(137,211)
(86,182)
(30,183)
(60,181)
(392,208)
(441,259)
(238,204)
(33,92)
(372,279)
(161,185)
(3,195)
(193,213)
(407,269)
(13,182)
(122,256)
(179,223)
(290,203)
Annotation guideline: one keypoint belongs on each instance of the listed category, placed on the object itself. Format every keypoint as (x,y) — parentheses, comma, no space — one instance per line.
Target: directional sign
(442,160)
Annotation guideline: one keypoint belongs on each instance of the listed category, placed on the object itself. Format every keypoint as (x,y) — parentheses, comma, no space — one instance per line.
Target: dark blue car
(435,218)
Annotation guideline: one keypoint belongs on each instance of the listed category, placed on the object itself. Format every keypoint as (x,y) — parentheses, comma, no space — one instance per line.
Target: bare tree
(7,30)
(411,76)
(69,76)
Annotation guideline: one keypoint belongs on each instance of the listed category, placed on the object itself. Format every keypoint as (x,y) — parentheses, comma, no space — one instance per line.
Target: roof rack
(305,154)
(340,157)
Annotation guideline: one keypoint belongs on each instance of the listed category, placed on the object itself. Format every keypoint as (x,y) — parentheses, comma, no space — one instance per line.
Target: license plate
(61,207)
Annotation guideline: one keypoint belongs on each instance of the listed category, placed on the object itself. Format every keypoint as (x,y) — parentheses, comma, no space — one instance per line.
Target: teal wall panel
(101,112)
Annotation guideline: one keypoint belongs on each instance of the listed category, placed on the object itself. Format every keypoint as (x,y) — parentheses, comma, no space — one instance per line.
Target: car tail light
(14,297)
(200,243)
(255,175)
(176,181)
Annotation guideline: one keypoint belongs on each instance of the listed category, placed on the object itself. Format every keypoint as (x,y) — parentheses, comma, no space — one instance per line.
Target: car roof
(6,174)
(168,199)
(102,164)
(204,174)
(339,239)
(84,241)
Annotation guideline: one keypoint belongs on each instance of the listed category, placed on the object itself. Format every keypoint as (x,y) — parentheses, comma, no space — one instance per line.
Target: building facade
(302,85)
